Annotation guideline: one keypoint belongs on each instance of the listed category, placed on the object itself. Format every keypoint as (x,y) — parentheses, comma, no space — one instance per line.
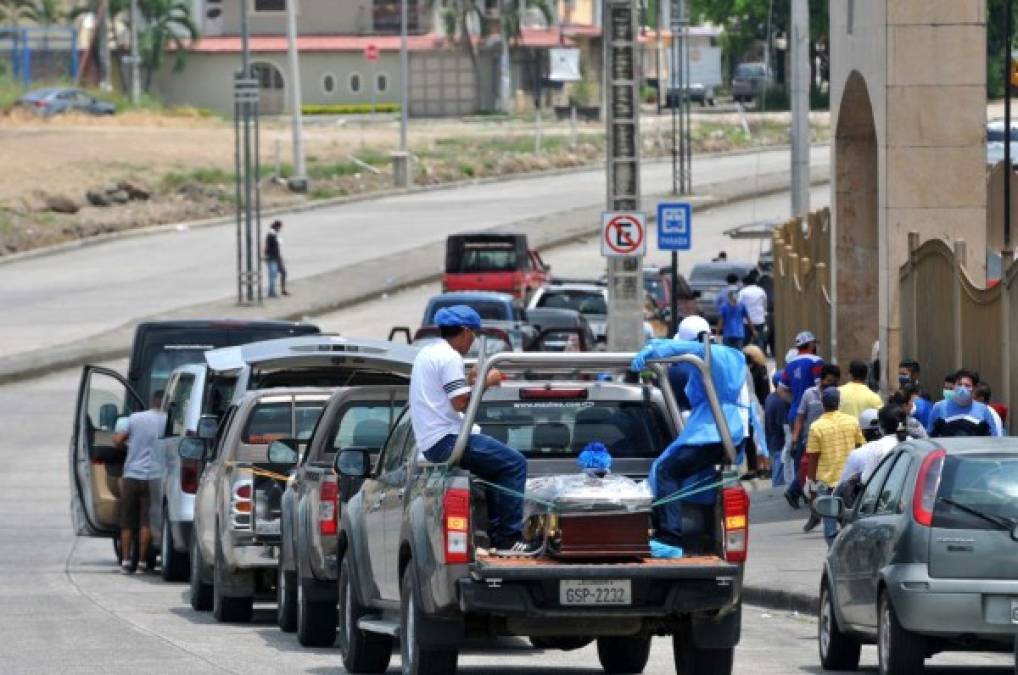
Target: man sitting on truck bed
(439,393)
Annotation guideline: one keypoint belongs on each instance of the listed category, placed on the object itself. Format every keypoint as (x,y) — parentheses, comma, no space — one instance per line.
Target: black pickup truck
(415,560)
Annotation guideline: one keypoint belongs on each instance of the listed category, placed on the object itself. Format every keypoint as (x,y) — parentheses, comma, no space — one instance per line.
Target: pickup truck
(235,543)
(491,261)
(306,595)
(415,559)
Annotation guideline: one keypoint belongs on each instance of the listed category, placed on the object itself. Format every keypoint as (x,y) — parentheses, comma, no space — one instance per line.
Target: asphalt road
(57,299)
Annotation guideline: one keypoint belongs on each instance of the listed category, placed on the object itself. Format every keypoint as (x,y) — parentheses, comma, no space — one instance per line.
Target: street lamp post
(298,182)
(135,56)
(401,158)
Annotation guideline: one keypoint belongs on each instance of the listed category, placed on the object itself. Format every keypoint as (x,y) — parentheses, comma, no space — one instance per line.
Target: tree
(164,22)
(46,13)
(995,41)
(13,12)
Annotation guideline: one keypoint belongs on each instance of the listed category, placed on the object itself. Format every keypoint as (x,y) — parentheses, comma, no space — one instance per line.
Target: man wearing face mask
(961,414)
(908,374)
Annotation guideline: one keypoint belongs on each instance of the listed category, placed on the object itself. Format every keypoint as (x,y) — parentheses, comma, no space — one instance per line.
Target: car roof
(285,394)
(974,445)
(327,346)
(472,295)
(42,93)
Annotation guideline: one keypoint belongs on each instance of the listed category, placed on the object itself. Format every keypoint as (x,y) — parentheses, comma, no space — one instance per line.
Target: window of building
(381,83)
(355,83)
(270,5)
(328,83)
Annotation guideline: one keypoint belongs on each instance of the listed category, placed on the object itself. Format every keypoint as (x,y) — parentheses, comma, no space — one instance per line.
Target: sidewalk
(784,565)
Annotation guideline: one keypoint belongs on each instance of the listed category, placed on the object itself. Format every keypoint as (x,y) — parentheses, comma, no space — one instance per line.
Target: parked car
(697,93)
(491,306)
(589,299)
(235,547)
(414,552)
(355,417)
(560,330)
(926,558)
(48,102)
(750,81)
(487,261)
(105,395)
(710,279)
(657,283)
(995,142)
(496,340)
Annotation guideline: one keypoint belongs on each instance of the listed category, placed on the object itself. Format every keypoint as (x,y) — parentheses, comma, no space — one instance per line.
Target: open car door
(95,465)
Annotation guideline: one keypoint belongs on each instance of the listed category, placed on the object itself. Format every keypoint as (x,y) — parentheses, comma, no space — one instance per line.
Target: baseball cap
(869,419)
(830,397)
(458,315)
(804,338)
(691,327)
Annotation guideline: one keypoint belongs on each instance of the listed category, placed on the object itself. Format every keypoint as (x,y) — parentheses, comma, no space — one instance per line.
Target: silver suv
(927,559)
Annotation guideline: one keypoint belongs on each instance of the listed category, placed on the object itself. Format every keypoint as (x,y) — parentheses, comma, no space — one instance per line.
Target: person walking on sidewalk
(856,396)
(733,322)
(274,258)
(776,429)
(810,410)
(908,374)
(755,300)
(142,467)
(831,439)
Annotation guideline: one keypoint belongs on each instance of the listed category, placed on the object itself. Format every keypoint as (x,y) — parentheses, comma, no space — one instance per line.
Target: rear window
(168,359)
(494,259)
(584,302)
(490,310)
(716,274)
(557,429)
(272,421)
(366,425)
(987,483)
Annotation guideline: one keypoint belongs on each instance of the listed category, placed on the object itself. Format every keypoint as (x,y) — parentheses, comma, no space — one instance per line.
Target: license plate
(1014,611)
(267,527)
(595,592)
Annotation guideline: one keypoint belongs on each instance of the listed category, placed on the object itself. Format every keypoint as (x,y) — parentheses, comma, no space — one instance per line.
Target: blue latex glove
(661,550)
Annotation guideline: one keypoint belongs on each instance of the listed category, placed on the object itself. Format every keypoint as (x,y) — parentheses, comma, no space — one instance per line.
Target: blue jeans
(795,487)
(830,524)
(497,463)
(777,470)
(674,471)
(273,266)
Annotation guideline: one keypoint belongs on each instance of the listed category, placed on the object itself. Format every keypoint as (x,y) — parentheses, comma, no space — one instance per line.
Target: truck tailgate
(690,567)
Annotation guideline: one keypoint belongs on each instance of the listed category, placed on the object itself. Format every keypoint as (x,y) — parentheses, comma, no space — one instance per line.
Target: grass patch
(326,171)
(347,108)
(208,175)
(327,192)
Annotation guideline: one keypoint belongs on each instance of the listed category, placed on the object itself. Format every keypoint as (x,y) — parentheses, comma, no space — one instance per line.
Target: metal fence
(802,282)
(38,54)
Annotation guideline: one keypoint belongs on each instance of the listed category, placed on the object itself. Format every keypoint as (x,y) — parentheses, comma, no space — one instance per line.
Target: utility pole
(401,158)
(1008,169)
(679,80)
(247,169)
(135,56)
(505,91)
(621,79)
(298,182)
(800,81)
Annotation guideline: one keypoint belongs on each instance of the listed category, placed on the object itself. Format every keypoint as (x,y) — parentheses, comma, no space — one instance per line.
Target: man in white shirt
(439,393)
(755,300)
(864,459)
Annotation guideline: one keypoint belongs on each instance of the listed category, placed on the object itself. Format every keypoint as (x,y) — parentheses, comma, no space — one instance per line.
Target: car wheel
(201,592)
(363,652)
(623,654)
(899,652)
(418,660)
(838,651)
(693,660)
(227,609)
(286,600)
(316,621)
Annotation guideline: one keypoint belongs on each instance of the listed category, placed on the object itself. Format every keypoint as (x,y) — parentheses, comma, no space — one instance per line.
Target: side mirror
(830,507)
(283,452)
(208,426)
(353,462)
(192,448)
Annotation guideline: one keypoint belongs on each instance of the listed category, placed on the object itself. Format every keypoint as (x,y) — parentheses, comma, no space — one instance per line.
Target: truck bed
(487,566)
(488,560)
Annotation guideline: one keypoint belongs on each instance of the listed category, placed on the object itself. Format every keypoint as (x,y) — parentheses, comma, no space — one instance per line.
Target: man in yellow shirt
(856,396)
(831,439)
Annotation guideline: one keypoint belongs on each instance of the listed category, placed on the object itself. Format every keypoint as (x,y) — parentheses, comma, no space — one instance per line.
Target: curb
(781,601)
(370,275)
(301,207)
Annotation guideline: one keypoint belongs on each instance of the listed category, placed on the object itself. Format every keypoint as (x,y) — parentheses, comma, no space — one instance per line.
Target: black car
(710,279)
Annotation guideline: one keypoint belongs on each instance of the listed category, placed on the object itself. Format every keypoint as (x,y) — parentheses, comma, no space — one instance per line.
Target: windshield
(584,302)
(274,421)
(167,360)
(986,483)
(749,70)
(715,274)
(366,425)
(557,429)
(495,258)
(490,310)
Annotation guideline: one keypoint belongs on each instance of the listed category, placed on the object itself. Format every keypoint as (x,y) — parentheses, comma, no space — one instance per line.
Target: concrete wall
(923,66)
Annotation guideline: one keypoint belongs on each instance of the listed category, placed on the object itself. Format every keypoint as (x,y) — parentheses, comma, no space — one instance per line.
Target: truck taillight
(926,485)
(328,506)
(240,504)
(736,523)
(456,525)
(189,476)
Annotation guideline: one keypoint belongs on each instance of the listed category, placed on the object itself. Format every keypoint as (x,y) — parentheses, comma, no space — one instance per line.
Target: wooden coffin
(618,534)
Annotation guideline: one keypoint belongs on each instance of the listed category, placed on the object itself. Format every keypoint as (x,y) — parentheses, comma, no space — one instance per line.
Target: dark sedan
(48,102)
(710,279)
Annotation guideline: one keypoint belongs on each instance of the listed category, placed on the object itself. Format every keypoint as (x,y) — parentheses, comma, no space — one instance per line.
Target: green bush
(347,108)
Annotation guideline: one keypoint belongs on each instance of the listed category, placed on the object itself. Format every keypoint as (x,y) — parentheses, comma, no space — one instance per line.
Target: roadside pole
(623,235)
(1008,169)
(400,159)
(799,44)
(298,182)
(246,168)
(135,57)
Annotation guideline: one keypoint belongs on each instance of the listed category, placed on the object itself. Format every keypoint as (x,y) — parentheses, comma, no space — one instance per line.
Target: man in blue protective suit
(688,462)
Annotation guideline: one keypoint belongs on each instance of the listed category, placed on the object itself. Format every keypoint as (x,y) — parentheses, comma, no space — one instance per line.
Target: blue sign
(674,226)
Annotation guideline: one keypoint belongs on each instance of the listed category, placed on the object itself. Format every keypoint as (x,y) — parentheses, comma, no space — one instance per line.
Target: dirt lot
(157,168)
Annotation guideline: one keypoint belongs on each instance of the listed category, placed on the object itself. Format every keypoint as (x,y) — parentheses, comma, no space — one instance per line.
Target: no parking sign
(623,234)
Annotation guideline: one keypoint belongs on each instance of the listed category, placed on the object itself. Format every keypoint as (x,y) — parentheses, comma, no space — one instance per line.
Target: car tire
(316,621)
(201,592)
(624,654)
(693,660)
(228,609)
(363,652)
(838,651)
(899,652)
(418,660)
(286,600)
(175,565)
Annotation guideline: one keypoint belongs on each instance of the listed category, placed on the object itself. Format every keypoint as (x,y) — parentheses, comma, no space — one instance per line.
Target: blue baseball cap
(461,316)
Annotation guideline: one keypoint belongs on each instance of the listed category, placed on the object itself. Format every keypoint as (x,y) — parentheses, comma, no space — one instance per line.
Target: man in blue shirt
(961,414)
(734,321)
(908,374)
(775,423)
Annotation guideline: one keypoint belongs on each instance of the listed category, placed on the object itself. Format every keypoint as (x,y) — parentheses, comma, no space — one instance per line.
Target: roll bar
(594,361)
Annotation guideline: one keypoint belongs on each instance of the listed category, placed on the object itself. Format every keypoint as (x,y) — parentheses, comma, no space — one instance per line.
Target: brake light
(189,476)
(328,506)
(736,523)
(240,505)
(926,485)
(40,104)
(541,393)
(456,525)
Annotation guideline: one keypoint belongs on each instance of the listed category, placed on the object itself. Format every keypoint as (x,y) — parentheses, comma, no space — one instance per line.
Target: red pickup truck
(488,261)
